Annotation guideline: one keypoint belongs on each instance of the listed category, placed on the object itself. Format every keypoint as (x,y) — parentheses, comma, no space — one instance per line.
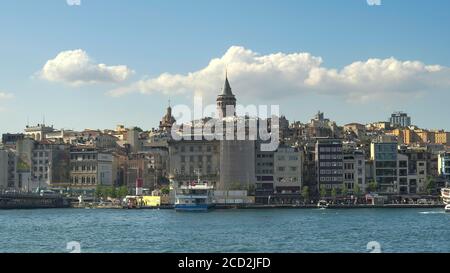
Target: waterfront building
(189,159)
(90,167)
(400,119)
(8,173)
(417,168)
(264,172)
(329,163)
(288,163)
(444,165)
(354,169)
(384,158)
(49,164)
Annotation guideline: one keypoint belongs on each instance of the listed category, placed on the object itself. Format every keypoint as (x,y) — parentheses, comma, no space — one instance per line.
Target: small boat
(322,204)
(447,208)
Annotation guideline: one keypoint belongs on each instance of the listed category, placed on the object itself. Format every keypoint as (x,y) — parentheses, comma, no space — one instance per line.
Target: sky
(108,62)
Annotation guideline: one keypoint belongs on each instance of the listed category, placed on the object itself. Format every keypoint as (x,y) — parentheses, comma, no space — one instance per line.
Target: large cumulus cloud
(278,75)
(76,67)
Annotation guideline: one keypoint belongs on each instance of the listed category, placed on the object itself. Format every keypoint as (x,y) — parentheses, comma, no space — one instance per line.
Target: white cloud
(4,95)
(76,67)
(278,75)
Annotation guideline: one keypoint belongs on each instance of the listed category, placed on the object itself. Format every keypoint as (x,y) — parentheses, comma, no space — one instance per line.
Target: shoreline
(249,207)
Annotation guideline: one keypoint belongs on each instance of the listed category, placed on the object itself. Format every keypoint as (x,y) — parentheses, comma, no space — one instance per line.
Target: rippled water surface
(272,230)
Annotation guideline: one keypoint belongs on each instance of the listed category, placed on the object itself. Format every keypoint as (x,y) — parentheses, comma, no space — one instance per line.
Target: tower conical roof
(227,88)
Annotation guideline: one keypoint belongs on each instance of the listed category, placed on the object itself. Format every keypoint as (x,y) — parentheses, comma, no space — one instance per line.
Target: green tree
(107,192)
(373,186)
(99,191)
(138,129)
(113,192)
(122,192)
(430,185)
(344,190)
(165,190)
(235,186)
(305,192)
(333,193)
(323,191)
(356,190)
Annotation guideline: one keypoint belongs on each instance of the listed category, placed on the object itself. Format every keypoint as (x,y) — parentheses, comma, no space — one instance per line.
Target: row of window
(322,171)
(290,158)
(331,164)
(41,169)
(332,156)
(35,162)
(192,169)
(330,149)
(82,180)
(331,179)
(287,179)
(83,157)
(84,168)
(40,154)
(198,148)
(264,155)
(292,169)
(199,158)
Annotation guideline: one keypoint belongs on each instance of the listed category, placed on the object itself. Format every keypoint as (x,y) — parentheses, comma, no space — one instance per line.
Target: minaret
(226,98)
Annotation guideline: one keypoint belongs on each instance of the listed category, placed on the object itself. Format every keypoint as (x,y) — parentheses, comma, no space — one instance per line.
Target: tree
(138,129)
(251,189)
(113,192)
(430,185)
(344,190)
(356,190)
(323,191)
(373,186)
(165,190)
(122,192)
(333,193)
(305,192)
(99,191)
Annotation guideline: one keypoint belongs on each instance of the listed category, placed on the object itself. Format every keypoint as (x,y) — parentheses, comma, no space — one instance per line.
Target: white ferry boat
(445,194)
(194,196)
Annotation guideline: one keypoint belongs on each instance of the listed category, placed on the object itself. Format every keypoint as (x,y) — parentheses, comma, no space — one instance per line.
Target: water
(274,230)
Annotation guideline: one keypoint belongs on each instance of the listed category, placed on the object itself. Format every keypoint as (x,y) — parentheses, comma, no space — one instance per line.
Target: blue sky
(150,38)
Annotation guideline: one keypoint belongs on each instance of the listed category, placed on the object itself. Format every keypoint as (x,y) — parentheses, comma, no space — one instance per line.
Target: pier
(31,201)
